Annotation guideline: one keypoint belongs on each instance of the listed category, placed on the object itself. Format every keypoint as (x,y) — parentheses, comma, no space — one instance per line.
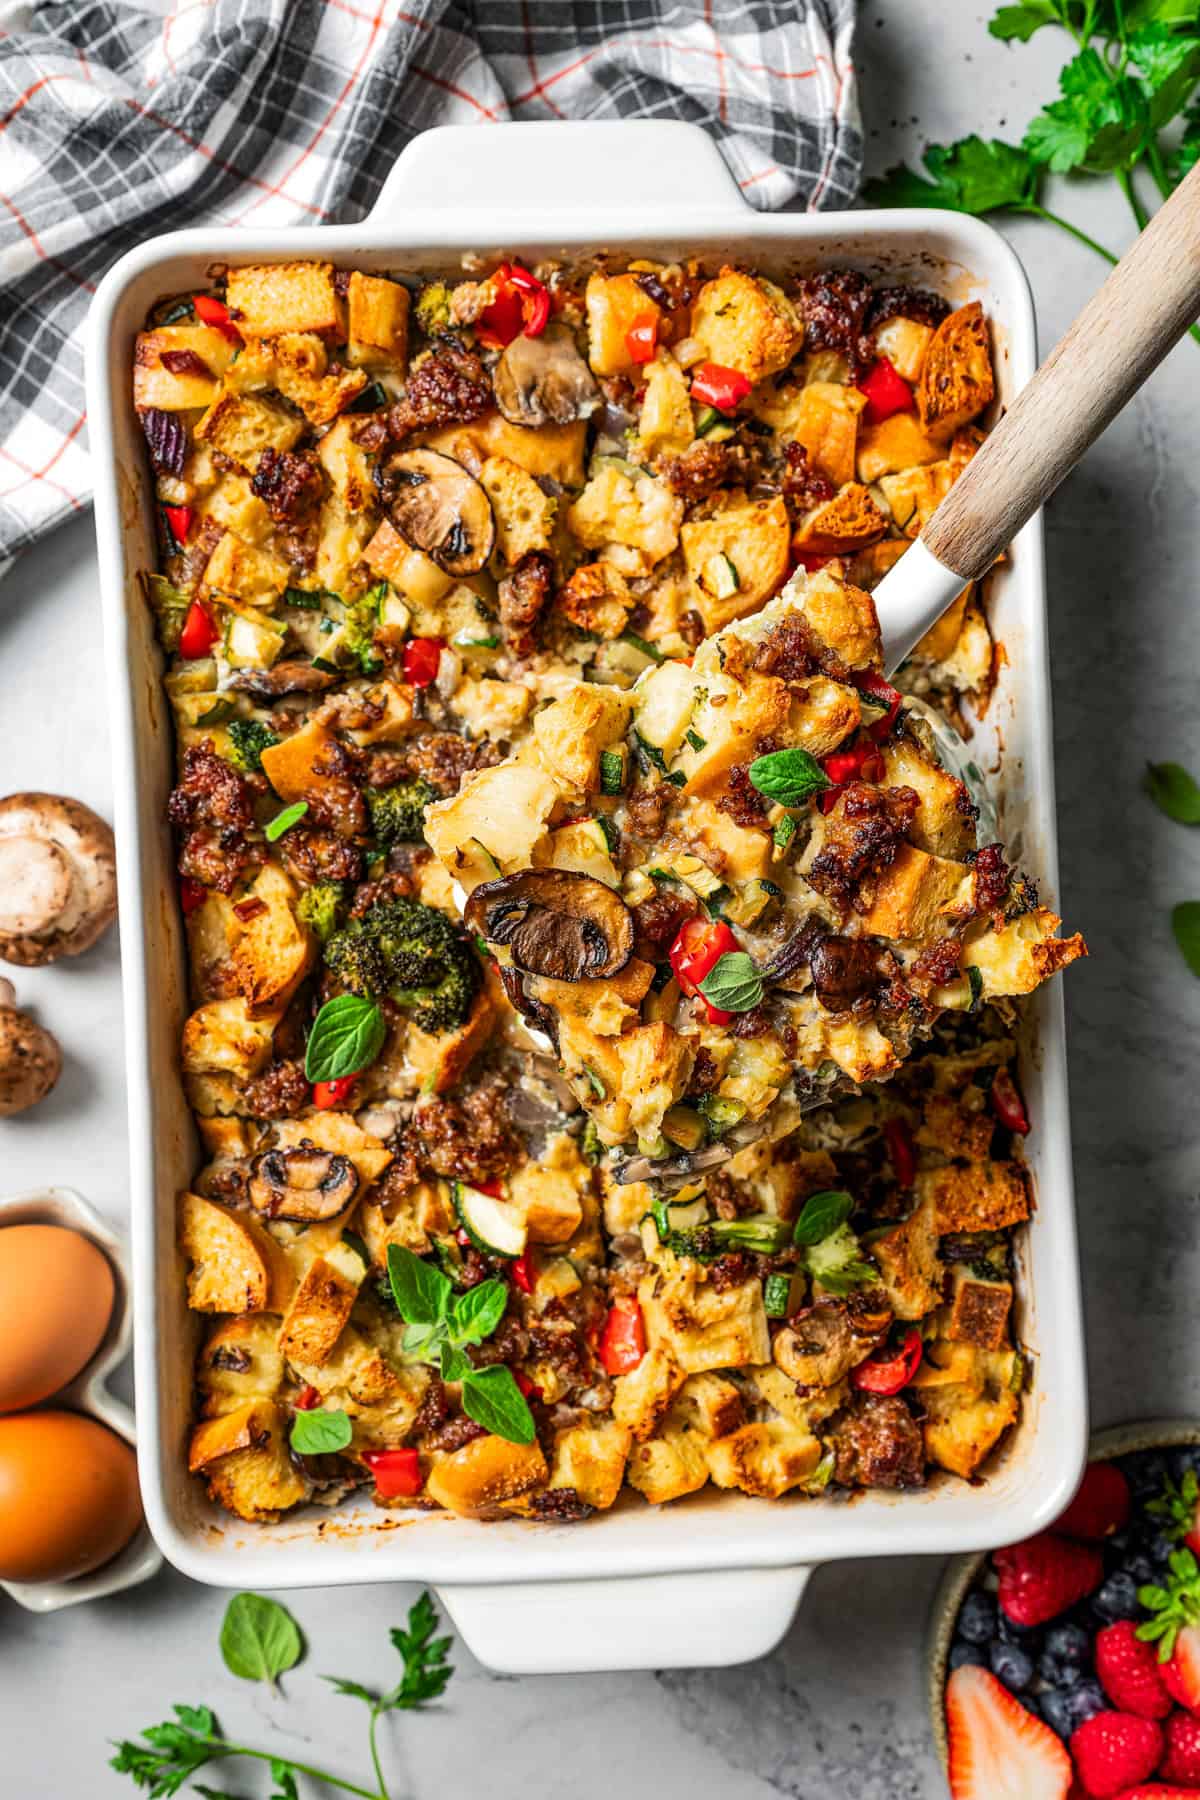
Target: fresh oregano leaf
(454,1365)
(1174,791)
(259,1638)
(347,1036)
(733,983)
(422,1292)
(788,776)
(1185,923)
(492,1398)
(822,1215)
(476,1314)
(318,1432)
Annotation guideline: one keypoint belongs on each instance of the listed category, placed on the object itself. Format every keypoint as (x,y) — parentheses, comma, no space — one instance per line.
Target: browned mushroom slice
(283,678)
(30,1059)
(302,1184)
(843,970)
(438,507)
(58,881)
(821,1343)
(555,922)
(544,380)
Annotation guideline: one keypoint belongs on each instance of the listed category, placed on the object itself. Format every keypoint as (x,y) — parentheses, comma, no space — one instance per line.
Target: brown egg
(56,1298)
(68,1496)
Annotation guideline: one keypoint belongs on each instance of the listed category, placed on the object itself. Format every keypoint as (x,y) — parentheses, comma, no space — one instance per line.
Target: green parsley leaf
(1022,21)
(283,821)
(1168,64)
(318,1432)
(259,1638)
(1187,152)
(426,1670)
(1174,791)
(973,175)
(421,1292)
(1100,124)
(1185,923)
(733,983)
(346,1037)
(492,1398)
(788,776)
(821,1216)
(476,1314)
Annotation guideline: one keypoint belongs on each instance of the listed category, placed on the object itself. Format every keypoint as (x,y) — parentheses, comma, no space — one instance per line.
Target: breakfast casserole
(603,1011)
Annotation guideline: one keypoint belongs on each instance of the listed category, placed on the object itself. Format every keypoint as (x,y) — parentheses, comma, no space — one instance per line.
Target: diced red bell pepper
(883,694)
(328,1094)
(623,1340)
(248,909)
(522,1272)
(520,303)
(1007,1103)
(421,659)
(199,632)
(529,1389)
(890,1370)
(641,340)
(396,1473)
(886,392)
(192,893)
(494,1188)
(902,1152)
(715,385)
(535,300)
(862,763)
(698,947)
(179,518)
(211,311)
(307,1398)
(810,559)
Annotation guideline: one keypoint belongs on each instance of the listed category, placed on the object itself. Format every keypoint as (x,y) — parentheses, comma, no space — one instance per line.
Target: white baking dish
(715,1579)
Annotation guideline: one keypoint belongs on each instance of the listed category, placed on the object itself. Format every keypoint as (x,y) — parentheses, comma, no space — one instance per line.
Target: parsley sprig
(1134,73)
(171,1753)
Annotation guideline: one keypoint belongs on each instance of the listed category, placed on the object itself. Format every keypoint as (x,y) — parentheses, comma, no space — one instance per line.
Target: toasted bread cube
(655,1068)
(665,424)
(983,1196)
(597,599)
(474,1482)
(970,1397)
(634,510)
(246,1462)
(867,568)
(605,1007)
(202,354)
(271,952)
(841,525)
(220,1037)
(914,495)
(269,299)
(668,1467)
(573,730)
(950,1127)
(824,417)
(338,1132)
(766,1459)
(747,711)
(701,1328)
(242,426)
(843,617)
(944,822)
(341,545)
(960,1437)
(957,380)
(905,343)
(237,1267)
(907,1255)
(297,766)
(441,1059)
(642,1398)
(710,1404)
(916,894)
(524,515)
(237,508)
(348,467)
(410,571)
(615,303)
(738,853)
(245,572)
(377,322)
(549,1202)
(806,1411)
(736,558)
(591,1459)
(504,808)
(302,375)
(745,323)
(1022,954)
(892,444)
(823,714)
(940,640)
(240,1361)
(322,1305)
(979,1311)
(555,451)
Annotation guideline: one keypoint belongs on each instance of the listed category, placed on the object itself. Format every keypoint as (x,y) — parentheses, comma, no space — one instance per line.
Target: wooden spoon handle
(1119,338)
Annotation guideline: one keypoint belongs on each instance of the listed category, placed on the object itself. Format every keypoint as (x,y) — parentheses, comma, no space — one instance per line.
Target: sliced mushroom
(843,970)
(544,380)
(532,1011)
(303,1184)
(822,1343)
(58,878)
(555,922)
(30,1059)
(438,507)
(283,678)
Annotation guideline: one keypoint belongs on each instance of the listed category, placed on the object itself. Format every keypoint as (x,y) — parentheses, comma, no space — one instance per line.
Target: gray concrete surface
(838,1710)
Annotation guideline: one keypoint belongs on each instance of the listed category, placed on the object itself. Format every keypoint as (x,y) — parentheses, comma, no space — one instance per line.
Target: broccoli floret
(248,738)
(763,1233)
(433,308)
(838,1263)
(398,813)
(359,627)
(411,954)
(320,908)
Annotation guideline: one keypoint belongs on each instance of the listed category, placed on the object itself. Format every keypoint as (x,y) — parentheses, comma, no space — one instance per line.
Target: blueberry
(1116,1598)
(1069,1645)
(1119,1542)
(1141,1568)
(977,1619)
(1026,1637)
(1145,1472)
(1185,1459)
(1055,1708)
(962,1654)
(1057,1674)
(1011,1665)
(1085,1701)
(1160,1545)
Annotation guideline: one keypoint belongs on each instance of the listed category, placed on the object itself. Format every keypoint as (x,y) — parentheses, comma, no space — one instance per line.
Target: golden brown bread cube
(916,894)
(524,515)
(240,1361)
(615,303)
(236,1265)
(591,1459)
(196,357)
(841,525)
(894,443)
(979,1310)
(767,1458)
(746,323)
(474,1482)
(825,418)
(983,1196)
(907,1255)
(322,1305)
(246,1462)
(269,299)
(944,822)
(220,1038)
(377,323)
(736,558)
(242,426)
(957,380)
(270,951)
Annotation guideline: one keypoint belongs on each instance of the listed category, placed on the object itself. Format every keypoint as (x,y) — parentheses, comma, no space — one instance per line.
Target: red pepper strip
(529,1389)
(397,1473)
(501,320)
(715,385)
(886,392)
(699,946)
(328,1094)
(522,1272)
(179,518)
(535,310)
(1007,1103)
(421,659)
(249,909)
(901,1151)
(495,1188)
(862,763)
(888,1371)
(307,1398)
(211,311)
(199,632)
(810,559)
(192,894)
(883,694)
(623,1340)
(641,339)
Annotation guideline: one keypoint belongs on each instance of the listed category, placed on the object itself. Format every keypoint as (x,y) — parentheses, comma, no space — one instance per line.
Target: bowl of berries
(1067,1667)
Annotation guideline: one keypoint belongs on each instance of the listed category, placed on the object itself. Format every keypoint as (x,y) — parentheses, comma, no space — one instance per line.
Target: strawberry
(1100,1507)
(1113,1751)
(1156,1791)
(998,1750)
(1174,1626)
(1181,1759)
(1129,1672)
(1044,1576)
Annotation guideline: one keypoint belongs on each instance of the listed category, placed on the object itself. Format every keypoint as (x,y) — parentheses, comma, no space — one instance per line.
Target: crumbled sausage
(803,486)
(940,962)
(442,758)
(878,1443)
(906,303)
(706,1075)
(213,809)
(648,808)
(448,387)
(337,802)
(288,482)
(992,876)
(456,1432)
(469,1138)
(700,471)
(862,836)
(755,1022)
(834,305)
(741,799)
(792,650)
(280,1092)
(562,1504)
(658,918)
(524,597)
(727,1197)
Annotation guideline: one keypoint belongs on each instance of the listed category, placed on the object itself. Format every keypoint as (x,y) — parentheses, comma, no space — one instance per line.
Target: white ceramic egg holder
(89,1394)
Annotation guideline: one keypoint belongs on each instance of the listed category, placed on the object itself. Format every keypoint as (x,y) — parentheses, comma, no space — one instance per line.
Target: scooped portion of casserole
(561,877)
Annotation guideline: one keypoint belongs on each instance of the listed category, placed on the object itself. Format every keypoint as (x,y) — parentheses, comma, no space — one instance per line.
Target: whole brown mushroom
(58,878)
(30,1059)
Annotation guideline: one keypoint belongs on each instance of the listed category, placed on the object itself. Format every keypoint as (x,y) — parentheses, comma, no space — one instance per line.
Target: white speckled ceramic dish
(88,1393)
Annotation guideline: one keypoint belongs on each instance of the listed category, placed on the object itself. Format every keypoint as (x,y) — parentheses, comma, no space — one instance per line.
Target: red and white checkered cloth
(123,118)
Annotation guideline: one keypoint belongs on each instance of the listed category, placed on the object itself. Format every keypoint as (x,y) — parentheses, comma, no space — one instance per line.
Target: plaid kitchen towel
(120,119)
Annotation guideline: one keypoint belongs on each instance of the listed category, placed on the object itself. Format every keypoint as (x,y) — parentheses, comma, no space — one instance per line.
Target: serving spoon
(1115,344)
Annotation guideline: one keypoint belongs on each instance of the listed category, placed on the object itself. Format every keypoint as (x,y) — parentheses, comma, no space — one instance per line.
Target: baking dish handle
(708,1620)
(525,170)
